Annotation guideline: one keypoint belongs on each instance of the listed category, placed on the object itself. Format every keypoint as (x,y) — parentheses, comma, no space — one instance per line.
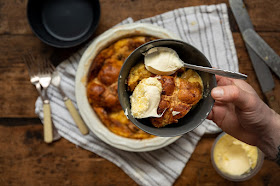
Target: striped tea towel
(206,28)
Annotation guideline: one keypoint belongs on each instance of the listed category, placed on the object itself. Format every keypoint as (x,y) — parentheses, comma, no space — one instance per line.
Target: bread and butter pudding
(102,86)
(162,89)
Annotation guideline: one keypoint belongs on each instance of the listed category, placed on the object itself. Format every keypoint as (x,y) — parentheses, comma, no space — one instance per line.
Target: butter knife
(69,105)
(262,49)
(261,69)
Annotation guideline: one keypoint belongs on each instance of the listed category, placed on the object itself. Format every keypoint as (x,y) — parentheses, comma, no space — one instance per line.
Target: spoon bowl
(197,114)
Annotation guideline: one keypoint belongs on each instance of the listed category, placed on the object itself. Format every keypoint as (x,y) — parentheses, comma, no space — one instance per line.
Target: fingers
(218,77)
(234,90)
(222,81)
(210,116)
(233,94)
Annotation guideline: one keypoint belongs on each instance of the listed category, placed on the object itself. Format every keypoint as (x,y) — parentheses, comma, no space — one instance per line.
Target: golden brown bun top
(102,86)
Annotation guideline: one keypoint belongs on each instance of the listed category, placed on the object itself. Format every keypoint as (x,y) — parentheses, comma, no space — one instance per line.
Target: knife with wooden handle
(261,69)
(76,116)
(69,105)
(48,131)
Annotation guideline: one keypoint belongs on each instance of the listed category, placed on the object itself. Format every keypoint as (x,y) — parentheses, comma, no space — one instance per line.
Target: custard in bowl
(185,99)
(163,97)
(96,87)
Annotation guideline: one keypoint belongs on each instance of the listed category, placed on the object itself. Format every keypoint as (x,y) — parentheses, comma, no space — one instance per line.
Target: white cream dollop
(145,98)
(162,61)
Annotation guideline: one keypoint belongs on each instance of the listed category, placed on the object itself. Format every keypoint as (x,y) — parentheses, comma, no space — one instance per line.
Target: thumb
(233,94)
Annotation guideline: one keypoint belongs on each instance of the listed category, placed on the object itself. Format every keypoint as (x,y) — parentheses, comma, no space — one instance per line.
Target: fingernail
(217,92)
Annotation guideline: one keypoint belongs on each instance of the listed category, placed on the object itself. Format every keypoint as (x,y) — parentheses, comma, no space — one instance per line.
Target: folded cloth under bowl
(205,27)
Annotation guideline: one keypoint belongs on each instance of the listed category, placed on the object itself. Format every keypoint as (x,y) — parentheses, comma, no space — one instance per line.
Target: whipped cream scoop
(162,61)
(145,98)
(166,61)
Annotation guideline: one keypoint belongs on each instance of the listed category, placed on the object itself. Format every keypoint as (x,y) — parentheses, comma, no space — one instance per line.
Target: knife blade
(263,50)
(262,71)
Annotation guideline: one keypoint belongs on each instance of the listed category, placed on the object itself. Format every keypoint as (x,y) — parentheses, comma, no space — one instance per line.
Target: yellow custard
(234,157)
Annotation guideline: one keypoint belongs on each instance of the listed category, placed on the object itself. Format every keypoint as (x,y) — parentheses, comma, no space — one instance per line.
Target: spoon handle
(226,73)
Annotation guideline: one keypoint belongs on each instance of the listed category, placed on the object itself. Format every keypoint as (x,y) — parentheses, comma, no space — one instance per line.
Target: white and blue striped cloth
(205,27)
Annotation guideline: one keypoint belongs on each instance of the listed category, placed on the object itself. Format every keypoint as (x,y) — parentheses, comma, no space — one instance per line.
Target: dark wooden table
(26,160)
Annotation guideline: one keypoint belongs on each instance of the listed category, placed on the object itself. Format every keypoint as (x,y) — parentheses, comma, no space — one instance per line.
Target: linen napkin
(206,28)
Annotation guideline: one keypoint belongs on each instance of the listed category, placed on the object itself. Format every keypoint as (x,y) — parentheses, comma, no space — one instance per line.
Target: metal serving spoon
(156,64)
(220,72)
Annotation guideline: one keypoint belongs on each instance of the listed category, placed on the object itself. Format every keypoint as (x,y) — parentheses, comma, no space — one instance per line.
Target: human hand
(240,112)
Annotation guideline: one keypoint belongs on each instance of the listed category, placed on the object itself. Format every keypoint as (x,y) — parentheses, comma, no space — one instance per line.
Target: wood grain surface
(24,157)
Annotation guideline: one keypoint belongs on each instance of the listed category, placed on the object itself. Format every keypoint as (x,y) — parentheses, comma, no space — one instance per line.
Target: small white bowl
(87,113)
(237,178)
